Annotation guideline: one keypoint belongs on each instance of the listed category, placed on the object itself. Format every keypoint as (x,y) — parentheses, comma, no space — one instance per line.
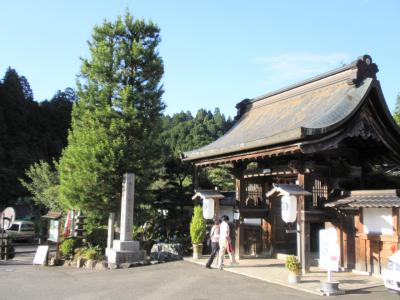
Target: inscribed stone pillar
(110,235)
(128,188)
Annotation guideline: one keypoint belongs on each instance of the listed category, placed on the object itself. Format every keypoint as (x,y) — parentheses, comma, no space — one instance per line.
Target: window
(254,197)
(320,192)
(27,227)
(14,227)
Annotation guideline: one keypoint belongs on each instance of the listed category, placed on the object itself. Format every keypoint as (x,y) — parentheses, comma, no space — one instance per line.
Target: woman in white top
(214,236)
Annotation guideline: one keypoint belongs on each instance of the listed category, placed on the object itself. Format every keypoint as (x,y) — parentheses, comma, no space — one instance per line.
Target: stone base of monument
(125,252)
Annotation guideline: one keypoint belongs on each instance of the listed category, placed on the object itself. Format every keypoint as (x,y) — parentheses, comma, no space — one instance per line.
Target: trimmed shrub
(197,226)
(67,247)
(293,264)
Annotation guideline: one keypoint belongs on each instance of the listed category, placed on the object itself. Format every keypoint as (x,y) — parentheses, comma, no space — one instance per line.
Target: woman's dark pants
(214,252)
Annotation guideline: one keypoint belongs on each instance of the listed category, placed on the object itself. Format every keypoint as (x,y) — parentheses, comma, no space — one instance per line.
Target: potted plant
(197,231)
(294,267)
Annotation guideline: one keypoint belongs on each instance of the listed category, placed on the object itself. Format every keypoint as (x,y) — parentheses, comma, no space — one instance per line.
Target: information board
(54,231)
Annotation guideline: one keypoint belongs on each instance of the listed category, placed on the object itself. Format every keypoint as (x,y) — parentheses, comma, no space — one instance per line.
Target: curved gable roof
(305,110)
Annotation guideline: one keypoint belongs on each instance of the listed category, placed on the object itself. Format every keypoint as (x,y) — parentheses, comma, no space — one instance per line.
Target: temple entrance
(283,235)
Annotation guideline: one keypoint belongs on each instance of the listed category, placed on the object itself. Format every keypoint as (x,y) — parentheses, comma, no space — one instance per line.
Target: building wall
(374,243)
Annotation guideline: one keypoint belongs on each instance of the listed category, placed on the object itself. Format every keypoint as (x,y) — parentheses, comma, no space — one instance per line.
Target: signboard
(54,230)
(208,208)
(289,208)
(329,251)
(7,217)
(41,255)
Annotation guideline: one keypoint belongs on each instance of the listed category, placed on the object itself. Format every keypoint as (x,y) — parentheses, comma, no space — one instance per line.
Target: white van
(391,274)
(21,230)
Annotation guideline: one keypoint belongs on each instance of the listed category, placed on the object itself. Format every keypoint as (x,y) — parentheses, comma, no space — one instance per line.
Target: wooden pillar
(239,245)
(196,179)
(216,208)
(303,237)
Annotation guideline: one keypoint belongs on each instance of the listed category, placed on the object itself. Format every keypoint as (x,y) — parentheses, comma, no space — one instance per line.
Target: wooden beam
(282,150)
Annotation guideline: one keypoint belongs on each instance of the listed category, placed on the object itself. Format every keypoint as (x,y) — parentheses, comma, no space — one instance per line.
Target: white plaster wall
(378,221)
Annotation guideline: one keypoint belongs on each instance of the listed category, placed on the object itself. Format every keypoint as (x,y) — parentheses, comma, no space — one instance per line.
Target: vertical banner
(329,251)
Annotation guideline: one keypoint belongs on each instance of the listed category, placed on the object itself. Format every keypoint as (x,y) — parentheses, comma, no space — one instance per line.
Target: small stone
(113,266)
(89,264)
(80,262)
(101,266)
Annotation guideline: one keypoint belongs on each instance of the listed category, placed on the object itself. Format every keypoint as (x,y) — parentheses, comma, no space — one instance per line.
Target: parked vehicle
(391,274)
(22,230)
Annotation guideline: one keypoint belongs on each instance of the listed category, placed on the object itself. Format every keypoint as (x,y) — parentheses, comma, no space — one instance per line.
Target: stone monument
(124,250)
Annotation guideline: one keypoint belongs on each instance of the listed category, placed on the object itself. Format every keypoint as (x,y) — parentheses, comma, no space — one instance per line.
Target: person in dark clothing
(214,237)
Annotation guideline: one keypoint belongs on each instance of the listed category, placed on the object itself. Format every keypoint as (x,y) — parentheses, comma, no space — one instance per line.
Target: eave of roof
(288,189)
(368,199)
(310,108)
(207,194)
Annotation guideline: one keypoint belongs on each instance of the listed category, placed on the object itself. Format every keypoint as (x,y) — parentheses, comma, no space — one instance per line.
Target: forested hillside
(29,131)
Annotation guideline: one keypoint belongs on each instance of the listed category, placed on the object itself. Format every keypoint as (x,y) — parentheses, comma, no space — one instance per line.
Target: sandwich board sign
(41,255)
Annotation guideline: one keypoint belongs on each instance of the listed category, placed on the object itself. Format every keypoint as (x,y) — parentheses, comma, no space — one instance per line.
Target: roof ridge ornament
(365,69)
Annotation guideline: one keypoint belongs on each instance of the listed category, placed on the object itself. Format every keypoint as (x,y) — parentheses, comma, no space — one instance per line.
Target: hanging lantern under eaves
(289,208)
(208,208)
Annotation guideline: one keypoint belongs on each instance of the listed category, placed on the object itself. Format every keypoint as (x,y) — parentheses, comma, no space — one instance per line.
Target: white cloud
(288,68)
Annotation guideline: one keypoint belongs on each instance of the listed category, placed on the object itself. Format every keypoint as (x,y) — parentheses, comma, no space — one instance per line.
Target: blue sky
(215,53)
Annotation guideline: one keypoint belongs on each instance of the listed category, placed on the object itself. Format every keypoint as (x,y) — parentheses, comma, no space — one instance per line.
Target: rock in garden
(166,252)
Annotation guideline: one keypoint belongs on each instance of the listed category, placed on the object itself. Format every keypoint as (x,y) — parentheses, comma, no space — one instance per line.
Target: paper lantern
(208,208)
(289,208)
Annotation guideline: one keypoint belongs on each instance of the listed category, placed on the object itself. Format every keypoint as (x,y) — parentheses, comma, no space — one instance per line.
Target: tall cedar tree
(116,120)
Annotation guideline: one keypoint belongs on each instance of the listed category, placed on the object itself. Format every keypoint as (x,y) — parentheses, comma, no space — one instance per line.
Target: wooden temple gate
(324,135)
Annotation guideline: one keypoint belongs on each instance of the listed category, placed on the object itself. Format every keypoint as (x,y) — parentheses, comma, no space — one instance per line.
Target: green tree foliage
(174,188)
(29,132)
(117,118)
(183,132)
(197,226)
(43,185)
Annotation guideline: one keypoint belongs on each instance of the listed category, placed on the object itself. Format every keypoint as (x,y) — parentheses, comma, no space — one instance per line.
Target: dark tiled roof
(52,215)
(310,108)
(373,198)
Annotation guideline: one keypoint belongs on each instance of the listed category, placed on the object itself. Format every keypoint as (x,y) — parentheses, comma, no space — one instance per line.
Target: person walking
(223,240)
(231,251)
(214,237)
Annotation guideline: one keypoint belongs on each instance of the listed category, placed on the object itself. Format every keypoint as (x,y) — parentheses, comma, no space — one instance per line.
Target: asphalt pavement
(175,280)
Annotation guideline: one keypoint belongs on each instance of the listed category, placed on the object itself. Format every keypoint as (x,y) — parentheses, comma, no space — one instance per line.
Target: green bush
(67,247)
(95,253)
(197,226)
(98,237)
(293,265)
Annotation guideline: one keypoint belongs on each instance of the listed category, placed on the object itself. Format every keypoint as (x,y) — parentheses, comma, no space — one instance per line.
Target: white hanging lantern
(208,208)
(289,208)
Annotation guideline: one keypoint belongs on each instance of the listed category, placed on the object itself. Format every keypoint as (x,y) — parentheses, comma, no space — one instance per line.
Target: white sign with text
(329,251)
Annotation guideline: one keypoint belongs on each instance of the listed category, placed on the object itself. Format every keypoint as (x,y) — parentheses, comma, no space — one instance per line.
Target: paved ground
(177,280)
(274,271)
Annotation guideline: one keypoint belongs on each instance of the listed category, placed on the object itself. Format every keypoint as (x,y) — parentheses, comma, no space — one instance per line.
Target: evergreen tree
(29,132)
(116,120)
